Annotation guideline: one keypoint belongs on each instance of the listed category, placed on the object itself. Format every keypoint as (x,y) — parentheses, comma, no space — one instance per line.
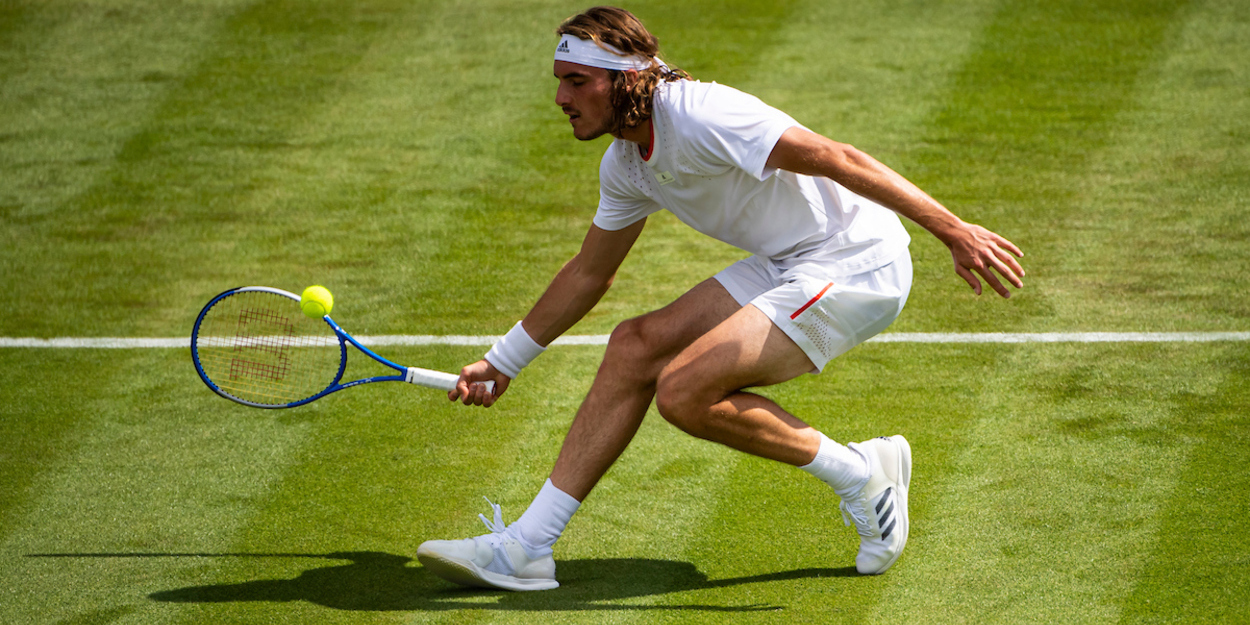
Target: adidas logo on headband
(591,54)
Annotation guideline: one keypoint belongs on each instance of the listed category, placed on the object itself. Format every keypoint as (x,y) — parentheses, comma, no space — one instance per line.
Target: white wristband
(514,351)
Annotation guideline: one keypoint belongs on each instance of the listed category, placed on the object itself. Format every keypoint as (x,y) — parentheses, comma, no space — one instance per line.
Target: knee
(632,349)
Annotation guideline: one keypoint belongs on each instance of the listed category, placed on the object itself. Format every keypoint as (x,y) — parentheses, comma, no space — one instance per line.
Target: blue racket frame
(406,374)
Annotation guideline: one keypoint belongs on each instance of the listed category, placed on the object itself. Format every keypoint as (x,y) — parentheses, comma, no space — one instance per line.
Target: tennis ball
(316,301)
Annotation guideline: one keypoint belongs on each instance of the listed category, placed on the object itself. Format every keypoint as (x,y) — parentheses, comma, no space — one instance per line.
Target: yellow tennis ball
(316,301)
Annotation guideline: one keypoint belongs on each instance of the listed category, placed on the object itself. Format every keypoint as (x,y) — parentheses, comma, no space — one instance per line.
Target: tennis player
(829,268)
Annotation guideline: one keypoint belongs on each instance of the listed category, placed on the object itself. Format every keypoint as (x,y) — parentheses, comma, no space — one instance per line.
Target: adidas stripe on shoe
(879,509)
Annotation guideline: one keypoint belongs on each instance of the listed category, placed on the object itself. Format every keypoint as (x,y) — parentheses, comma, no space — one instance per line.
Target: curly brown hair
(631,101)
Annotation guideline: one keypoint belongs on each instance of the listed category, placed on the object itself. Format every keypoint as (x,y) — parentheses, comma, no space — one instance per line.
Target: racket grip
(437,379)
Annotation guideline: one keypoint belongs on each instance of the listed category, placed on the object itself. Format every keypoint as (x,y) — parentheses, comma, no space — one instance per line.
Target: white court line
(1061,337)
(602,339)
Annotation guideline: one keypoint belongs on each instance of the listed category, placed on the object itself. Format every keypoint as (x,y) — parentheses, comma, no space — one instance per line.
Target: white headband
(587,52)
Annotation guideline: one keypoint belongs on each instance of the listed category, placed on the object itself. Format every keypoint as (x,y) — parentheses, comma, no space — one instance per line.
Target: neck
(640,134)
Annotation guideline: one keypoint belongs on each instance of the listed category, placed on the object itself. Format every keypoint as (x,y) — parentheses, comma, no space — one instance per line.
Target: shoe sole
(466,573)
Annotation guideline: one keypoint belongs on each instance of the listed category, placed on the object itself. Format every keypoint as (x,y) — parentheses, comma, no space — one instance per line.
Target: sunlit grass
(409,156)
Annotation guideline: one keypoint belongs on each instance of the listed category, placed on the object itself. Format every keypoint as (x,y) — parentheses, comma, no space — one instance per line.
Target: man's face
(584,95)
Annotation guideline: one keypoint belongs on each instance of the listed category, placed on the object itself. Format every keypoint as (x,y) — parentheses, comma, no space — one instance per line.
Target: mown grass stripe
(1027,478)
(1064,457)
(1190,151)
(174,187)
(41,411)
(76,79)
(84,79)
(1197,568)
(1033,108)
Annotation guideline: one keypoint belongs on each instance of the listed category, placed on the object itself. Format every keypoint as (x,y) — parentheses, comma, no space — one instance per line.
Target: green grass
(408,155)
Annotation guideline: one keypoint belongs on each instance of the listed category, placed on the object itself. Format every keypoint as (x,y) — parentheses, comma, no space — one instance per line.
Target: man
(830,269)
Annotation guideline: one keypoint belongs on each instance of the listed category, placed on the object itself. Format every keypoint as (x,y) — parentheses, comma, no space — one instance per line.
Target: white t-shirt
(707,167)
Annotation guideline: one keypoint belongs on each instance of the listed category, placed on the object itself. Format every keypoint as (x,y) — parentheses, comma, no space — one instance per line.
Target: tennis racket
(255,346)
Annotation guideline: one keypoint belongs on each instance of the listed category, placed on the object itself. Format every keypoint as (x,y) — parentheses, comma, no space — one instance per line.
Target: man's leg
(699,367)
(700,392)
(518,557)
(694,357)
(625,384)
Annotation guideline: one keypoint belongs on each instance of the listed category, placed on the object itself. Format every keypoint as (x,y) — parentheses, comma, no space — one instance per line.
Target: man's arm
(576,288)
(974,249)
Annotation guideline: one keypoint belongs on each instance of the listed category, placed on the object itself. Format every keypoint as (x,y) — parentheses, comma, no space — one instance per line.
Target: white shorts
(826,317)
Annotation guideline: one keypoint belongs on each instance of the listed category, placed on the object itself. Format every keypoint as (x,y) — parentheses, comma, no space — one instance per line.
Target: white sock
(544,520)
(839,466)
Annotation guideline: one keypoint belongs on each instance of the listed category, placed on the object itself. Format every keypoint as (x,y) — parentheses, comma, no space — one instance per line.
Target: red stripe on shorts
(810,302)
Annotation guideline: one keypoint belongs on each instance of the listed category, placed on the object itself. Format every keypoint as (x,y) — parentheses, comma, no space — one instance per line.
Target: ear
(631,77)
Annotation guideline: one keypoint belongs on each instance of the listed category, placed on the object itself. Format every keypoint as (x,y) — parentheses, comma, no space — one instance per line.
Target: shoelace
(498,526)
(497,537)
(857,512)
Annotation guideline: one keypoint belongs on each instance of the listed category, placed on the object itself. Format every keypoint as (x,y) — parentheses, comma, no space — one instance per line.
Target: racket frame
(412,375)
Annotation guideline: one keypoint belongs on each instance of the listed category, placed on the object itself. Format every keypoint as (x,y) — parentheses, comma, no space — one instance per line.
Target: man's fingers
(968,277)
(1009,267)
(488,398)
(462,389)
(989,255)
(1012,274)
(501,385)
(993,281)
(472,390)
(1008,245)
(987,272)
(475,393)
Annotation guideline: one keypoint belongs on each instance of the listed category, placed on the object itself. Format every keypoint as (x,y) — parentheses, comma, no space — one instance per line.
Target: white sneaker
(879,508)
(494,560)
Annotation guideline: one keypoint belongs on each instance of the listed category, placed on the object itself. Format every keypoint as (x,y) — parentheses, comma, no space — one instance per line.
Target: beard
(609,126)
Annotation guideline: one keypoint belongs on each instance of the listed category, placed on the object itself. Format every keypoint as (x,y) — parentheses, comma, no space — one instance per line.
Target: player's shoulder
(692,97)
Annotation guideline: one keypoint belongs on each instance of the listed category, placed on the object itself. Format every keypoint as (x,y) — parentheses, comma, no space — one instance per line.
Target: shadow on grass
(381,581)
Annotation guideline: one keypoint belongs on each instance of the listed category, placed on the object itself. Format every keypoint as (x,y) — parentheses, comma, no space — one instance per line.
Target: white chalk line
(602,339)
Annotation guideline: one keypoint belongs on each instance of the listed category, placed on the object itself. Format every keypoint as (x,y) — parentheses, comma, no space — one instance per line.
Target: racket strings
(259,347)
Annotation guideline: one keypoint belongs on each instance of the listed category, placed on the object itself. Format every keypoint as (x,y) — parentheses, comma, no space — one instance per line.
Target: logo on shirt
(664,177)
(564,47)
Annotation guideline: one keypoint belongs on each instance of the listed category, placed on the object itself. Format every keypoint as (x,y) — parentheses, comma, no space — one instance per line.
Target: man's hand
(976,251)
(470,388)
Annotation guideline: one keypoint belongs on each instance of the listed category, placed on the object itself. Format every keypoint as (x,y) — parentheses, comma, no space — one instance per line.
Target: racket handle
(437,379)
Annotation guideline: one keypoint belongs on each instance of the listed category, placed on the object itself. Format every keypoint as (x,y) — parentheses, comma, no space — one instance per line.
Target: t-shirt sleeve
(621,203)
(727,127)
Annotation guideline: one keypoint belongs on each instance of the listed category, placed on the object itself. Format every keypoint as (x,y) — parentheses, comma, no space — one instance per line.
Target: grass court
(407,154)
